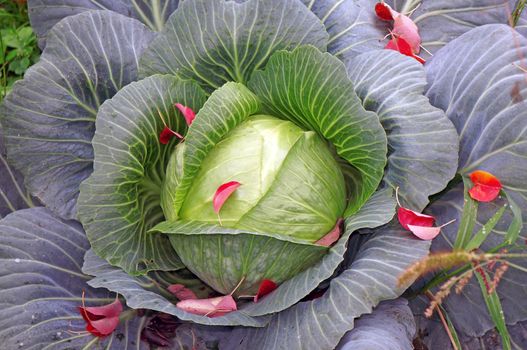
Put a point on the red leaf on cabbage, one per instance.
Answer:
(332, 236)
(102, 320)
(403, 47)
(223, 193)
(211, 307)
(181, 292)
(427, 233)
(166, 135)
(384, 11)
(187, 112)
(266, 287)
(486, 186)
(408, 217)
(405, 28)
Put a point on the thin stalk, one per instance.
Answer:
(518, 9)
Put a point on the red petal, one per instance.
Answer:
(223, 193)
(266, 287)
(402, 46)
(102, 320)
(187, 112)
(425, 233)
(409, 217)
(383, 11)
(166, 135)
(486, 186)
(181, 292)
(212, 307)
(332, 236)
(110, 310)
(404, 28)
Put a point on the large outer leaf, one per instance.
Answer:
(312, 89)
(121, 199)
(49, 116)
(481, 90)
(215, 41)
(422, 141)
(390, 326)
(146, 292)
(320, 323)
(354, 28)
(13, 194)
(44, 14)
(41, 285)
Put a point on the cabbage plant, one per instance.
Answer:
(304, 126)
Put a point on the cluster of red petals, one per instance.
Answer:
(102, 320)
(486, 186)
(167, 134)
(266, 287)
(405, 34)
(332, 236)
(223, 193)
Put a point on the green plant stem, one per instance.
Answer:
(518, 9)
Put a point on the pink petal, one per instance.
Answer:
(212, 307)
(266, 287)
(223, 193)
(110, 310)
(103, 327)
(187, 112)
(402, 46)
(181, 292)
(425, 233)
(166, 135)
(405, 28)
(409, 217)
(332, 236)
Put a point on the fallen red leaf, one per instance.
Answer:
(181, 292)
(383, 11)
(166, 135)
(187, 112)
(408, 217)
(486, 186)
(266, 287)
(211, 307)
(405, 28)
(101, 320)
(332, 236)
(403, 47)
(223, 193)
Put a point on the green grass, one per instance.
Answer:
(18, 44)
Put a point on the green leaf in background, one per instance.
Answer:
(120, 201)
(49, 117)
(312, 89)
(215, 41)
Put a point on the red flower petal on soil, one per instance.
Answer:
(332, 236)
(181, 292)
(101, 320)
(166, 135)
(266, 287)
(486, 186)
(223, 193)
(384, 11)
(402, 46)
(408, 217)
(187, 112)
(211, 307)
